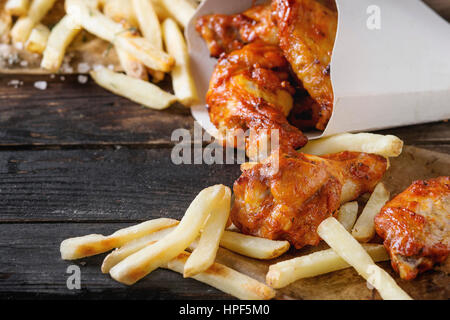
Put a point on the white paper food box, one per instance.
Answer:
(390, 64)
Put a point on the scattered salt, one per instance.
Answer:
(98, 67)
(15, 83)
(18, 45)
(83, 67)
(24, 63)
(41, 85)
(82, 79)
(111, 67)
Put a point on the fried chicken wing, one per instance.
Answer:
(288, 198)
(250, 89)
(226, 33)
(307, 30)
(415, 226)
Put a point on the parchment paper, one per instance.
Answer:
(413, 164)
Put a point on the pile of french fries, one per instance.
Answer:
(146, 35)
(190, 246)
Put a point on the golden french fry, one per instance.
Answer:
(205, 252)
(59, 39)
(37, 41)
(139, 91)
(141, 263)
(89, 245)
(284, 273)
(24, 25)
(131, 247)
(254, 247)
(150, 28)
(364, 228)
(226, 279)
(5, 26)
(17, 7)
(182, 80)
(148, 22)
(386, 146)
(145, 52)
(347, 214)
(105, 28)
(335, 235)
(120, 10)
(181, 10)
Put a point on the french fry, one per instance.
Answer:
(24, 25)
(347, 215)
(386, 146)
(205, 252)
(284, 273)
(60, 38)
(364, 228)
(150, 28)
(122, 12)
(139, 91)
(226, 279)
(182, 80)
(17, 7)
(160, 10)
(335, 235)
(5, 25)
(131, 247)
(181, 10)
(89, 245)
(254, 247)
(141, 263)
(105, 28)
(148, 22)
(37, 41)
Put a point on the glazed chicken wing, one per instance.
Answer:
(288, 198)
(307, 29)
(226, 33)
(250, 90)
(415, 226)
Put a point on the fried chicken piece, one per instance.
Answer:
(288, 198)
(415, 226)
(250, 89)
(307, 30)
(226, 33)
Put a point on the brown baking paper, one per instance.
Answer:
(390, 64)
(413, 164)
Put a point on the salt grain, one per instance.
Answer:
(15, 83)
(24, 63)
(41, 85)
(82, 79)
(111, 67)
(83, 67)
(62, 78)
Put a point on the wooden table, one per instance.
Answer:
(75, 159)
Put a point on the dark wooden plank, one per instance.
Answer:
(70, 113)
(34, 269)
(101, 185)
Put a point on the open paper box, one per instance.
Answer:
(390, 64)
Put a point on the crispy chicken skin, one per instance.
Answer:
(250, 90)
(226, 33)
(307, 30)
(290, 202)
(415, 226)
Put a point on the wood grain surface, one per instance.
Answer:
(75, 159)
